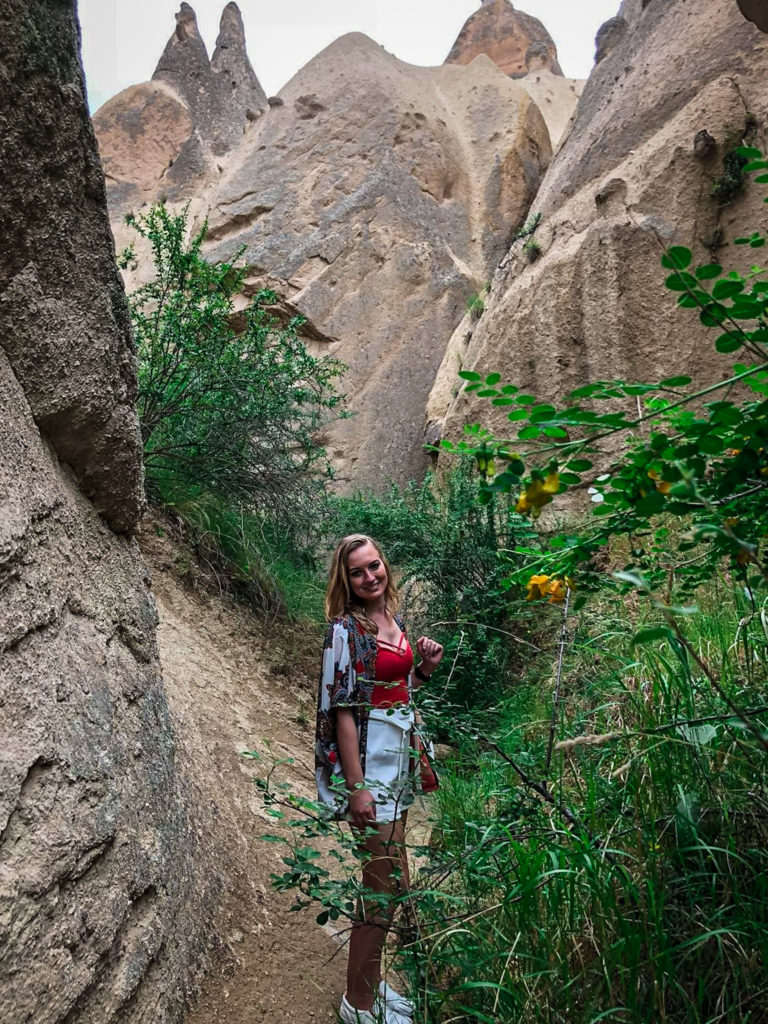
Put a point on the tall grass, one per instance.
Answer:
(639, 890)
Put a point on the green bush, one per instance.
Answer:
(230, 418)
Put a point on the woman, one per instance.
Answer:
(363, 752)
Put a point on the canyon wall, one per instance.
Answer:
(677, 86)
(104, 887)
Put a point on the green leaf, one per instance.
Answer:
(646, 636)
(487, 392)
(680, 282)
(755, 165)
(469, 375)
(579, 465)
(526, 399)
(493, 378)
(570, 478)
(708, 271)
(726, 289)
(749, 152)
(701, 735)
(635, 579)
(555, 432)
(518, 414)
(676, 258)
(528, 433)
(503, 401)
(674, 382)
(710, 444)
(728, 343)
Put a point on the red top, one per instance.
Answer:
(393, 663)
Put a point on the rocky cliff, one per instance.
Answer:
(375, 196)
(102, 911)
(677, 86)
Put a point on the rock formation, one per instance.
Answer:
(506, 36)
(675, 90)
(376, 197)
(102, 915)
(175, 130)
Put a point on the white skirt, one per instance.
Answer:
(387, 761)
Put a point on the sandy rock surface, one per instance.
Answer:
(377, 218)
(629, 177)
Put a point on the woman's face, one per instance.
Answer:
(366, 572)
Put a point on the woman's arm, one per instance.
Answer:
(431, 655)
(362, 807)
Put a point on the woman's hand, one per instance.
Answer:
(431, 654)
(362, 808)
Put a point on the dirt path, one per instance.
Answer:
(228, 692)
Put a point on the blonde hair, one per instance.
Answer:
(339, 597)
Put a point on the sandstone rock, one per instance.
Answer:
(102, 915)
(506, 36)
(377, 219)
(65, 323)
(174, 131)
(628, 177)
(555, 96)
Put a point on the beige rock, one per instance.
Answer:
(506, 36)
(634, 173)
(105, 893)
(556, 97)
(377, 219)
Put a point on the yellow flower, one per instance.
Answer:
(537, 586)
(554, 587)
(557, 591)
(663, 486)
(538, 493)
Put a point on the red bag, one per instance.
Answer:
(429, 781)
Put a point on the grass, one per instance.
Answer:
(651, 902)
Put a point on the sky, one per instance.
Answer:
(123, 39)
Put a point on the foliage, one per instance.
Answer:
(230, 415)
(703, 459)
(475, 304)
(598, 844)
(231, 412)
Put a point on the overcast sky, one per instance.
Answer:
(123, 39)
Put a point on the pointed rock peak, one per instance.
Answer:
(185, 57)
(186, 23)
(506, 36)
(230, 61)
(231, 30)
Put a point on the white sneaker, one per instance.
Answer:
(394, 1001)
(379, 1014)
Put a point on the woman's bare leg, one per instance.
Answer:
(385, 871)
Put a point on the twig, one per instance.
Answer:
(556, 694)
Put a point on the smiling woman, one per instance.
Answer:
(363, 753)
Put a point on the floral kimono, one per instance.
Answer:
(347, 678)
